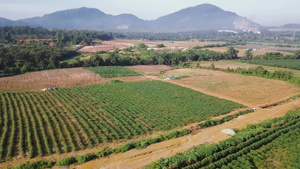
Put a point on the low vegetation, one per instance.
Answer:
(291, 64)
(70, 119)
(113, 71)
(253, 147)
(209, 123)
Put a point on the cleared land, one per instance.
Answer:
(124, 43)
(56, 78)
(242, 89)
(224, 64)
(70, 119)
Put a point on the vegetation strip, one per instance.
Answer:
(105, 152)
(209, 123)
(240, 150)
(291, 64)
(281, 102)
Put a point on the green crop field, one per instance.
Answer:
(291, 64)
(69, 119)
(271, 144)
(113, 71)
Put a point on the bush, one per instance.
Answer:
(66, 161)
(105, 152)
(85, 158)
(35, 165)
(125, 148)
(116, 81)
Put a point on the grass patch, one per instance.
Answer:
(113, 71)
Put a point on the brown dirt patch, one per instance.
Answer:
(56, 78)
(150, 69)
(247, 90)
(124, 43)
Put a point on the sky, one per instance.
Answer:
(264, 12)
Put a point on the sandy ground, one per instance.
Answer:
(247, 90)
(139, 158)
(224, 64)
(57, 78)
(124, 43)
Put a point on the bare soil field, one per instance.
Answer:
(150, 69)
(56, 78)
(238, 88)
(224, 64)
(140, 158)
(124, 43)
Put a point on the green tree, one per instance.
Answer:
(248, 54)
(231, 53)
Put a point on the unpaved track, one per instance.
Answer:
(140, 158)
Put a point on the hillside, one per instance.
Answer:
(201, 17)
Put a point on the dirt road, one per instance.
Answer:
(140, 158)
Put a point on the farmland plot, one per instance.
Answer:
(69, 119)
(242, 89)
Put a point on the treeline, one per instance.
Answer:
(276, 56)
(229, 43)
(188, 35)
(13, 35)
(150, 57)
(261, 72)
(21, 59)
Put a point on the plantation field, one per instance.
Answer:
(211, 135)
(69, 119)
(112, 71)
(271, 144)
(224, 64)
(242, 89)
(292, 64)
(56, 78)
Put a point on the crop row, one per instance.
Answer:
(69, 119)
(233, 149)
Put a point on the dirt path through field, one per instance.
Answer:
(140, 158)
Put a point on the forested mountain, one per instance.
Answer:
(201, 17)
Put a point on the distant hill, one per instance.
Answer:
(205, 16)
(201, 17)
(290, 26)
(7, 22)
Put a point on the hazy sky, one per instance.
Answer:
(264, 12)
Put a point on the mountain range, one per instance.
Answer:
(201, 17)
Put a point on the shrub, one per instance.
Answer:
(125, 148)
(85, 158)
(66, 161)
(105, 152)
(35, 165)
